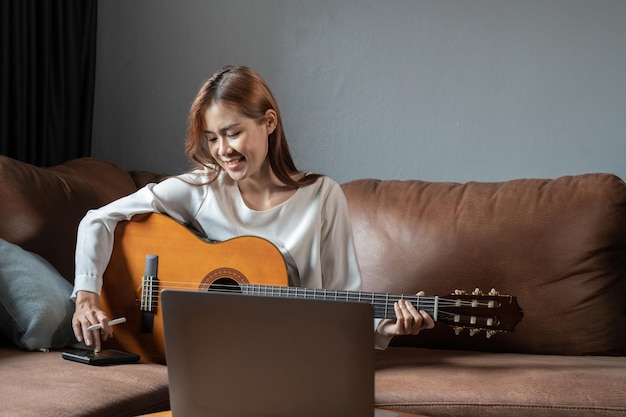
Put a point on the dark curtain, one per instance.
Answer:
(47, 64)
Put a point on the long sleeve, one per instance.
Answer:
(94, 243)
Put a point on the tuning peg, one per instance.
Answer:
(459, 292)
(477, 291)
(493, 292)
(473, 331)
(490, 333)
(457, 330)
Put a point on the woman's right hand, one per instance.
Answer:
(88, 313)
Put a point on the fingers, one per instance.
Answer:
(427, 320)
(88, 313)
(409, 320)
(80, 323)
(78, 330)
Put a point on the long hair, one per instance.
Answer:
(243, 89)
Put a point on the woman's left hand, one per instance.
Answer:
(409, 320)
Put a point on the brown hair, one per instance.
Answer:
(246, 91)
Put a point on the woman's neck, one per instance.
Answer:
(265, 192)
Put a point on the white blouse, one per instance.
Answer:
(312, 228)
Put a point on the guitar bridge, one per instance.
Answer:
(149, 294)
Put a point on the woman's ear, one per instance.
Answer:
(271, 121)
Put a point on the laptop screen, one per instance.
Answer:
(242, 355)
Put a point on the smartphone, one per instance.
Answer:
(104, 357)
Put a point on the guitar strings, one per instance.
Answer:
(382, 302)
(310, 293)
(376, 299)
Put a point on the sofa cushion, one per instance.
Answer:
(35, 309)
(46, 385)
(557, 245)
(463, 383)
(42, 207)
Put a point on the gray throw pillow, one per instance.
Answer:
(35, 309)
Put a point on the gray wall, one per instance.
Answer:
(442, 90)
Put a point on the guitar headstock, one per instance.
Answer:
(476, 311)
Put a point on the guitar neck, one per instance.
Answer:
(382, 303)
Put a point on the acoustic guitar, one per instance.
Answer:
(153, 252)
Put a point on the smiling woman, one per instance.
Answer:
(240, 147)
(246, 183)
(237, 142)
(243, 93)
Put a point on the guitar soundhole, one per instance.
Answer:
(223, 280)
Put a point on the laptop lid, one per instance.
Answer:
(233, 355)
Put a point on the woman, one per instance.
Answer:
(246, 183)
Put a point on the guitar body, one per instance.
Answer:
(184, 262)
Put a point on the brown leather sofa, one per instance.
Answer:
(558, 246)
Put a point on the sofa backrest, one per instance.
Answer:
(558, 245)
(40, 208)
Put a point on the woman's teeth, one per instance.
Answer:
(233, 161)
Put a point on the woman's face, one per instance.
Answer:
(237, 143)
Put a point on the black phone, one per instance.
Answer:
(104, 357)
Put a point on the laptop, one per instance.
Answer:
(234, 355)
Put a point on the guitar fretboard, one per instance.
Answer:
(383, 303)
